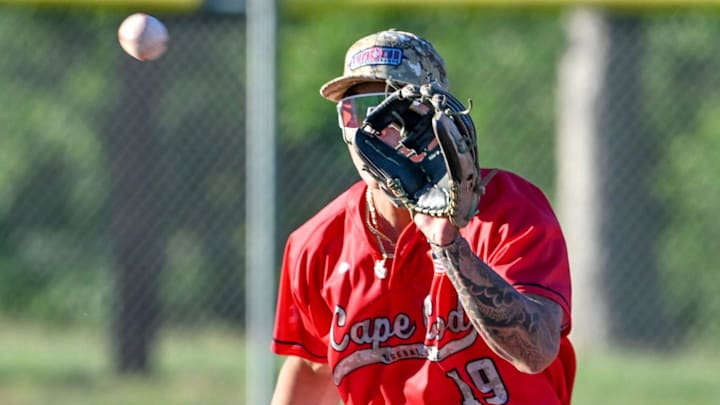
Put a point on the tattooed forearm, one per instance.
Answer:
(524, 330)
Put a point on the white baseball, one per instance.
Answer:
(143, 36)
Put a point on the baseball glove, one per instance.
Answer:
(433, 168)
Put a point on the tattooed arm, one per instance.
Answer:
(523, 329)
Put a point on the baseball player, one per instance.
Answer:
(382, 303)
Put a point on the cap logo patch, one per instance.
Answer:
(377, 55)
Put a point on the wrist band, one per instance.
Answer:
(436, 246)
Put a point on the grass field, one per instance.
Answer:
(54, 366)
(633, 378)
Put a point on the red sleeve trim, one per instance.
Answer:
(286, 348)
(557, 294)
(539, 289)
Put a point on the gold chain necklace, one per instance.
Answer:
(372, 223)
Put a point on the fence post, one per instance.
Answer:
(580, 89)
(260, 237)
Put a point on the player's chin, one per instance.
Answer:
(362, 169)
(368, 178)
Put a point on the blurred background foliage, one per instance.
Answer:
(75, 112)
(61, 99)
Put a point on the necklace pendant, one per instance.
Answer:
(380, 269)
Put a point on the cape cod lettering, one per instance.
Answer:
(456, 321)
(370, 331)
(375, 331)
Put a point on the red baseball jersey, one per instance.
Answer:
(405, 338)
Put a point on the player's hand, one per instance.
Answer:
(438, 230)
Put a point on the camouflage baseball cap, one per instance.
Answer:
(401, 56)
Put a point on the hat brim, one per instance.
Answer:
(335, 89)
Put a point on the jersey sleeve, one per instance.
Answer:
(295, 331)
(520, 237)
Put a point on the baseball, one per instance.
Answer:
(143, 36)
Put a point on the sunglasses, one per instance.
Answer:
(353, 110)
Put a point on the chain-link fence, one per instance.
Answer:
(122, 183)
